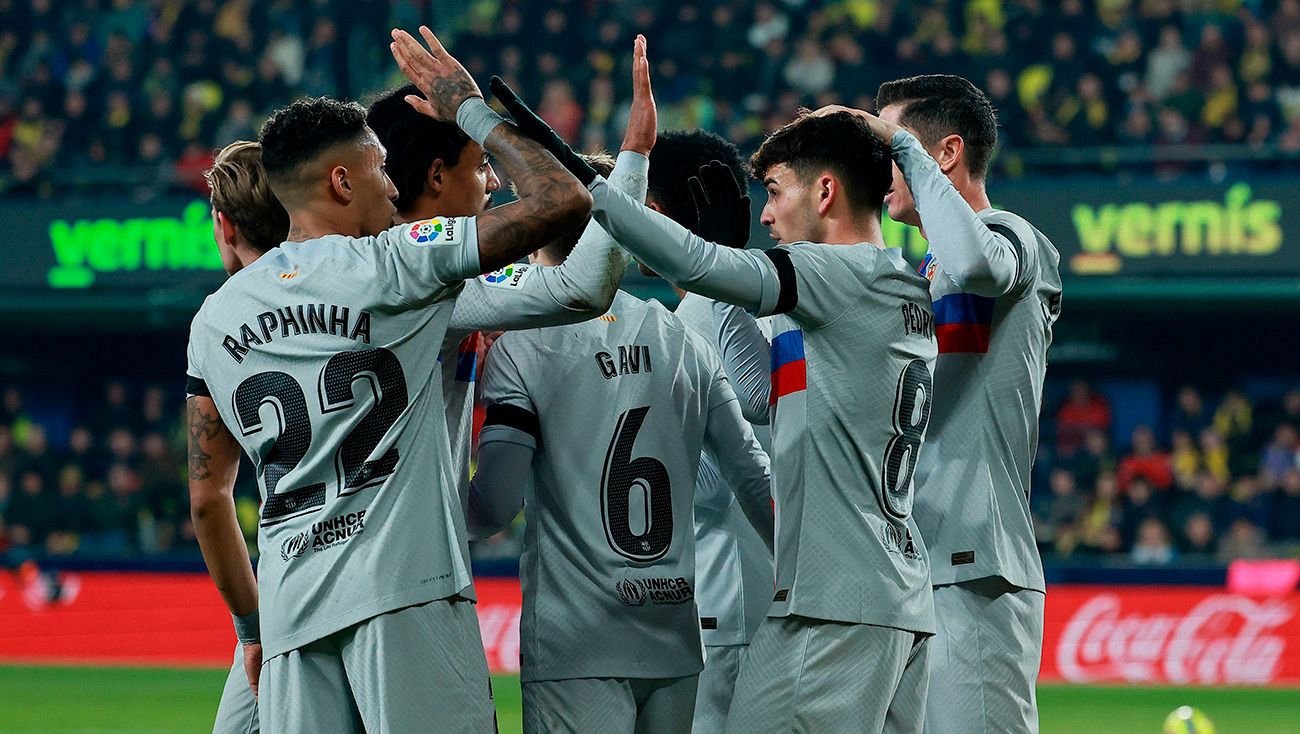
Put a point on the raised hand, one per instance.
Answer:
(721, 205)
(643, 122)
(536, 128)
(439, 76)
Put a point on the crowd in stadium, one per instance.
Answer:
(1221, 480)
(157, 85)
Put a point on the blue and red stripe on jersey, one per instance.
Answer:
(789, 368)
(963, 322)
(467, 358)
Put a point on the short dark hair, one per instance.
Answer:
(676, 157)
(603, 162)
(414, 141)
(240, 191)
(936, 105)
(840, 143)
(300, 132)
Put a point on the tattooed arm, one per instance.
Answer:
(552, 203)
(214, 462)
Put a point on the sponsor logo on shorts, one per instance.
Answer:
(660, 591)
(324, 535)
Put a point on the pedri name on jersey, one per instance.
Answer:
(304, 318)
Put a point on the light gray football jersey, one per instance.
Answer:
(973, 477)
(733, 567)
(526, 296)
(320, 358)
(852, 392)
(623, 405)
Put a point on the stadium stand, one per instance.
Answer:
(96, 94)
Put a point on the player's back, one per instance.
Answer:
(622, 402)
(851, 395)
(320, 358)
(973, 505)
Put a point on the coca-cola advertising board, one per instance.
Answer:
(1170, 635)
(1093, 634)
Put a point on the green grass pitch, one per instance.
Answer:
(88, 700)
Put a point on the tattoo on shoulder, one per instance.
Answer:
(203, 426)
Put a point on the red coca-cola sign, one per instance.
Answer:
(1170, 635)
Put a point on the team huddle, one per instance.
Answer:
(798, 503)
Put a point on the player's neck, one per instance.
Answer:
(307, 224)
(971, 190)
(851, 231)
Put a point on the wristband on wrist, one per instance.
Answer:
(477, 119)
(248, 628)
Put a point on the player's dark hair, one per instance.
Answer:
(675, 158)
(938, 105)
(301, 132)
(240, 192)
(556, 251)
(840, 143)
(414, 141)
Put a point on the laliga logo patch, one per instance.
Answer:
(436, 231)
(511, 276)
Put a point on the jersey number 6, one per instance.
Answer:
(644, 475)
(354, 470)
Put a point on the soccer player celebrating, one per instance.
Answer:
(247, 222)
(441, 172)
(844, 645)
(733, 567)
(365, 581)
(996, 289)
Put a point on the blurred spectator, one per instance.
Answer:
(1285, 523)
(1198, 536)
(1184, 459)
(1152, 547)
(1058, 513)
(1083, 411)
(1094, 460)
(1189, 414)
(1140, 503)
(1145, 461)
(1244, 539)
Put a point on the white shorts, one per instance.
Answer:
(237, 712)
(810, 675)
(609, 705)
(717, 686)
(421, 668)
(984, 665)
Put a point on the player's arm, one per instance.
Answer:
(505, 461)
(580, 288)
(746, 359)
(551, 201)
(213, 464)
(510, 436)
(984, 259)
(740, 459)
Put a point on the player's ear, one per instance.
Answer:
(224, 229)
(341, 184)
(655, 205)
(827, 191)
(948, 152)
(434, 178)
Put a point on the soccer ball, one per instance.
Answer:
(1187, 720)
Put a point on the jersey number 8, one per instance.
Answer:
(911, 417)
